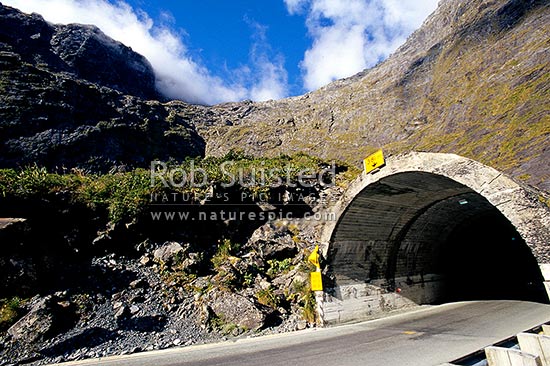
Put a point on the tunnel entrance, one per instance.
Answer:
(422, 238)
(485, 258)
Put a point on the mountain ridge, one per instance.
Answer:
(473, 80)
(430, 87)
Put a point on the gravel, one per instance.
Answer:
(135, 311)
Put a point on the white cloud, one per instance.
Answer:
(272, 82)
(178, 75)
(295, 6)
(351, 35)
(333, 55)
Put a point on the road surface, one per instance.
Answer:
(426, 337)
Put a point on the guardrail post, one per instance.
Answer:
(537, 345)
(497, 356)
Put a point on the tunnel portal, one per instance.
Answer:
(418, 237)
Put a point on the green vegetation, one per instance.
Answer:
(126, 195)
(277, 267)
(10, 311)
(308, 305)
(300, 291)
(267, 297)
(179, 278)
(225, 250)
(305, 298)
(227, 328)
(231, 274)
(545, 200)
(122, 194)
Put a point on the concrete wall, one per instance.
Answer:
(364, 301)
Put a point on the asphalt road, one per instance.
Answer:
(426, 337)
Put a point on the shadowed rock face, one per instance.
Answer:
(57, 121)
(64, 102)
(45, 319)
(81, 50)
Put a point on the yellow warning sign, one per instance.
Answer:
(314, 257)
(316, 281)
(374, 161)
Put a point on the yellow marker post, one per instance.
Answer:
(314, 257)
(315, 277)
(374, 161)
(316, 281)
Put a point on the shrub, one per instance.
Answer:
(126, 195)
(225, 250)
(267, 297)
(10, 311)
(277, 267)
(308, 307)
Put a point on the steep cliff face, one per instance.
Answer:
(64, 100)
(80, 50)
(473, 80)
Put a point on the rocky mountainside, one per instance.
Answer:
(76, 283)
(473, 80)
(80, 50)
(72, 97)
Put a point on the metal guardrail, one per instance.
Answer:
(478, 358)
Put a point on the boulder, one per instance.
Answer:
(139, 283)
(272, 242)
(290, 279)
(167, 253)
(122, 313)
(145, 260)
(227, 276)
(235, 309)
(47, 318)
(192, 261)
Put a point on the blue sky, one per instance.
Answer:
(222, 39)
(213, 51)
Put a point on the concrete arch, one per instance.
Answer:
(387, 223)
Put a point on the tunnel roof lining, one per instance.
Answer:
(380, 210)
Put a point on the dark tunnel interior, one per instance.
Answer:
(486, 259)
(434, 239)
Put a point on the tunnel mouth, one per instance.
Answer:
(430, 240)
(485, 258)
